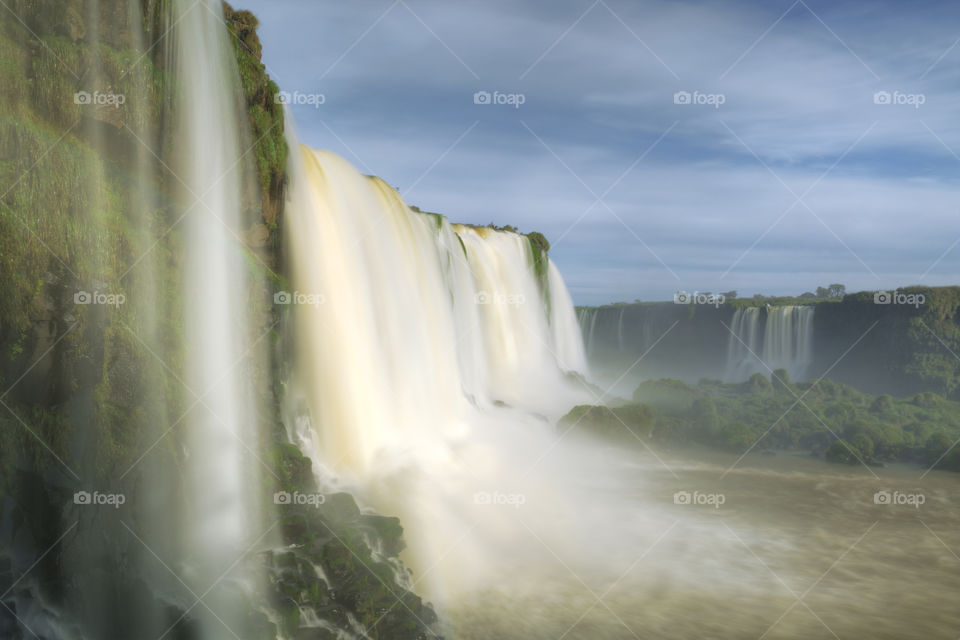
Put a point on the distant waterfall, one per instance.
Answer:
(780, 338)
(571, 353)
(587, 318)
(744, 345)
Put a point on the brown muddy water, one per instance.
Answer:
(685, 546)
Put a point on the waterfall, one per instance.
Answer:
(220, 423)
(425, 357)
(587, 318)
(571, 353)
(788, 340)
(784, 341)
(743, 347)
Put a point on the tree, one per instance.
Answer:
(832, 291)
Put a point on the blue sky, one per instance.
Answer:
(803, 176)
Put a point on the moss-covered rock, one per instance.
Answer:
(264, 110)
(329, 566)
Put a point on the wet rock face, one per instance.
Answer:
(110, 22)
(265, 197)
(328, 570)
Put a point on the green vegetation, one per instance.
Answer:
(330, 532)
(540, 247)
(265, 115)
(82, 203)
(831, 293)
(825, 418)
(910, 340)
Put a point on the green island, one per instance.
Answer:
(766, 414)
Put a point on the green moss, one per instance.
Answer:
(540, 247)
(264, 111)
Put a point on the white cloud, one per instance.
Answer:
(799, 99)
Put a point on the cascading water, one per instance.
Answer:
(587, 318)
(431, 363)
(571, 353)
(788, 339)
(781, 338)
(223, 506)
(743, 346)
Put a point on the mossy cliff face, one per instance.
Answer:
(897, 347)
(264, 114)
(82, 115)
(92, 348)
(83, 199)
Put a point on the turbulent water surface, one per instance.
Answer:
(798, 549)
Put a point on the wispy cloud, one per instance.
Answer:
(793, 102)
